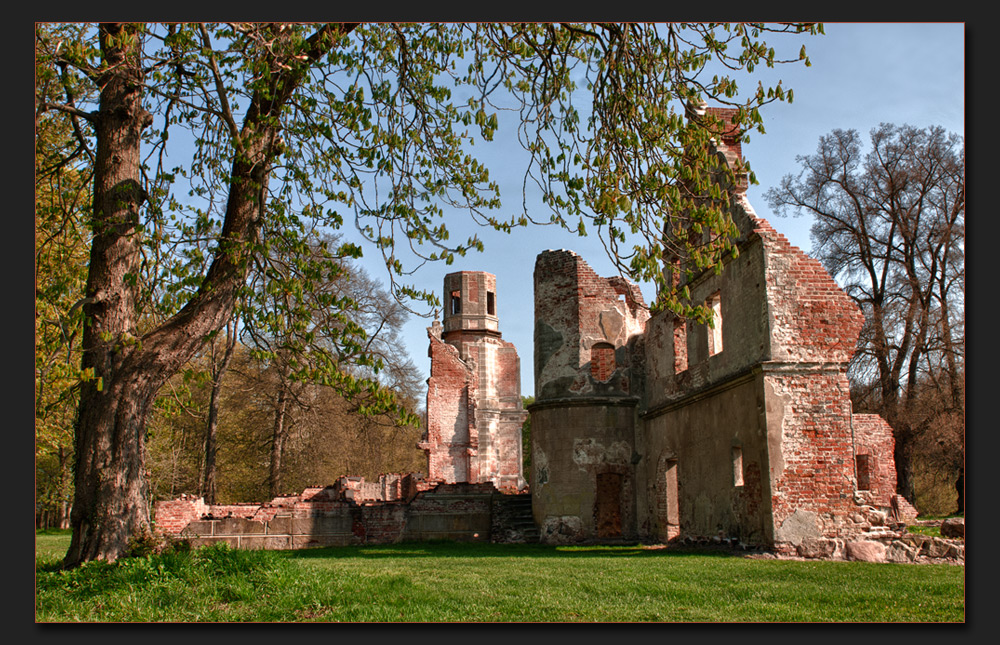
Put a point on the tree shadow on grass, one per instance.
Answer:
(445, 548)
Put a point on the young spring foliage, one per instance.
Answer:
(222, 152)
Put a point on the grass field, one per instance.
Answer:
(448, 582)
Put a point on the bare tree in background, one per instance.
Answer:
(889, 225)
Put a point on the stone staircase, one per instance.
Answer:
(512, 519)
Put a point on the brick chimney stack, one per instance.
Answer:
(730, 144)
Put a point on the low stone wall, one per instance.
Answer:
(460, 512)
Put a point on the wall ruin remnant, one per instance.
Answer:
(474, 408)
(351, 511)
(652, 427)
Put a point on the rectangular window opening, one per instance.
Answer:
(491, 306)
(863, 463)
(672, 501)
(456, 302)
(715, 331)
(680, 347)
(737, 466)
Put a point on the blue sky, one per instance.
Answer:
(862, 74)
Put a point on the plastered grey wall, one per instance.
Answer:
(700, 433)
(571, 446)
(744, 325)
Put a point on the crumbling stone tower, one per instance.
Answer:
(588, 382)
(474, 410)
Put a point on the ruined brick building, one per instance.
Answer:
(644, 427)
(650, 427)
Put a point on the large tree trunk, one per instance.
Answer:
(111, 502)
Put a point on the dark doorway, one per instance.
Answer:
(608, 504)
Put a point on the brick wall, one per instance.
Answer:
(319, 518)
(576, 310)
(873, 437)
(602, 361)
(812, 319)
(729, 141)
(451, 392)
(173, 515)
(812, 460)
(474, 409)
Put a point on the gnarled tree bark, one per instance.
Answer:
(111, 503)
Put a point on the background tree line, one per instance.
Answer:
(236, 424)
(324, 436)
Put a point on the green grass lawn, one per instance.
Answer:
(448, 582)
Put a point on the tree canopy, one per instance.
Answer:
(215, 146)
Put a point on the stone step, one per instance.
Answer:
(516, 511)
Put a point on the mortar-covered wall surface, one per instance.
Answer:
(746, 341)
(738, 429)
(583, 475)
(716, 444)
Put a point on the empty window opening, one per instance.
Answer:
(864, 465)
(491, 304)
(602, 361)
(671, 514)
(680, 347)
(671, 271)
(737, 466)
(456, 302)
(715, 331)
